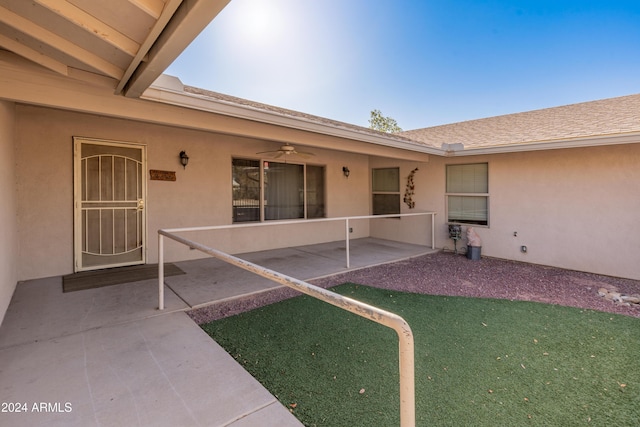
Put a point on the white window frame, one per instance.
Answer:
(482, 192)
(377, 191)
(262, 202)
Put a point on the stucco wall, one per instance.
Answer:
(200, 196)
(414, 229)
(8, 226)
(574, 208)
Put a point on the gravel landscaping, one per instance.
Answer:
(445, 273)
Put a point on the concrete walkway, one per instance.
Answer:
(108, 357)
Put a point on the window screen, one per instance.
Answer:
(468, 193)
(385, 184)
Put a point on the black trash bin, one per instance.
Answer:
(473, 252)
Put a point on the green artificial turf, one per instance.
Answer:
(479, 362)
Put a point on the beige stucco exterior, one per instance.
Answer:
(573, 208)
(200, 196)
(8, 225)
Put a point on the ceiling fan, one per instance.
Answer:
(286, 150)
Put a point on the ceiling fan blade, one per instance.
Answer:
(286, 150)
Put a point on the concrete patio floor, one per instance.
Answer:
(109, 357)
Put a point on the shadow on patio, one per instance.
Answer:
(108, 356)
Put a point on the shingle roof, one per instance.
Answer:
(613, 117)
(607, 117)
(290, 113)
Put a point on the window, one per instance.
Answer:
(386, 191)
(315, 191)
(288, 190)
(468, 194)
(246, 190)
(283, 190)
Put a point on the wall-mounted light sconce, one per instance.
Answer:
(346, 171)
(184, 159)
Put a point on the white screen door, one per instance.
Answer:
(110, 192)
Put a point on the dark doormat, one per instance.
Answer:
(115, 276)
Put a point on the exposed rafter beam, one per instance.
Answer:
(163, 19)
(92, 25)
(188, 21)
(51, 39)
(32, 55)
(151, 7)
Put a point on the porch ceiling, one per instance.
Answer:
(126, 44)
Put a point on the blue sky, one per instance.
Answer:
(423, 63)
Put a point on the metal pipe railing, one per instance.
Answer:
(346, 219)
(383, 317)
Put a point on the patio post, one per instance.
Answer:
(433, 230)
(160, 272)
(346, 240)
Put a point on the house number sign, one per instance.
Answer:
(157, 175)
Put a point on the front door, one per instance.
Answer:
(109, 193)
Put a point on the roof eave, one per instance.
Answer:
(174, 95)
(578, 142)
(169, 90)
